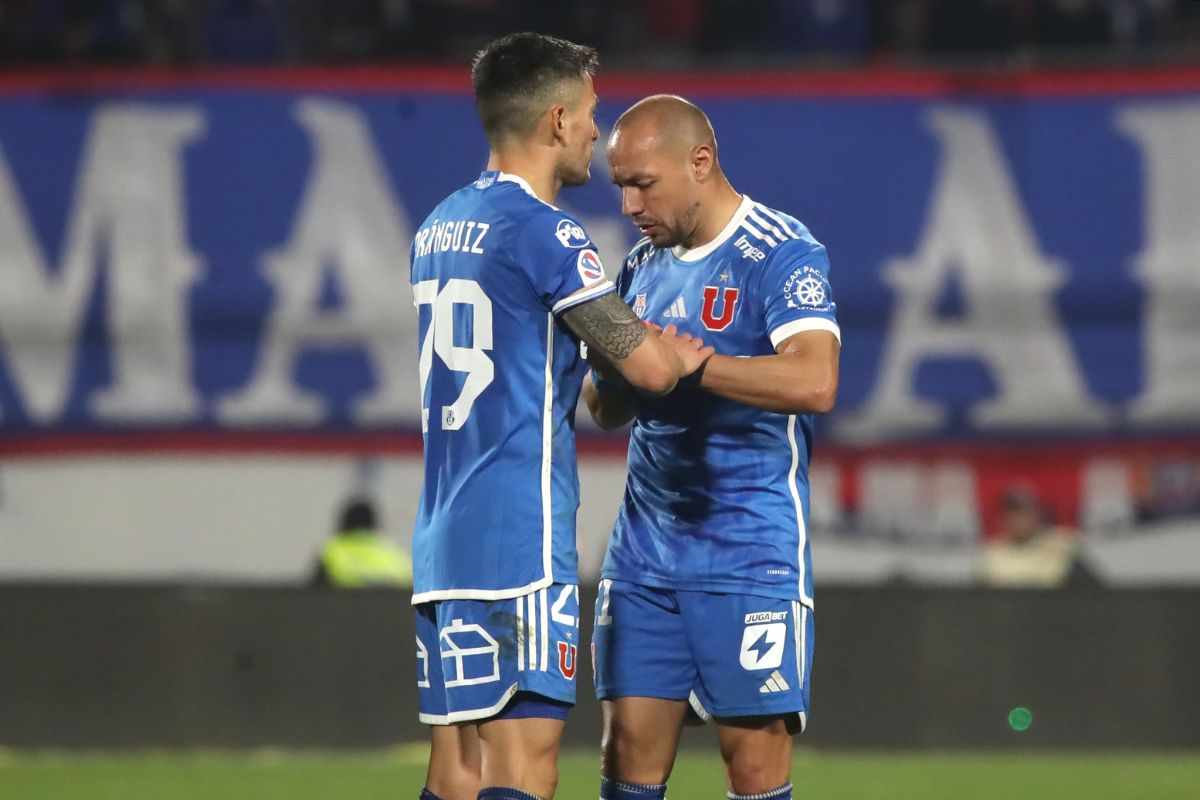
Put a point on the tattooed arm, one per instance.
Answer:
(624, 352)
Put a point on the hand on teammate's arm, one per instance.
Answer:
(801, 378)
(650, 362)
(610, 399)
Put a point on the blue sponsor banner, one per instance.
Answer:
(236, 258)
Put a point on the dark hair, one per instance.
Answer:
(517, 76)
(358, 514)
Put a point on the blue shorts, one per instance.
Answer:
(473, 656)
(730, 655)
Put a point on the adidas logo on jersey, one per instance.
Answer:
(775, 683)
(676, 310)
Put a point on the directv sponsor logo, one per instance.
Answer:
(765, 616)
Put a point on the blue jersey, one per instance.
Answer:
(492, 266)
(717, 494)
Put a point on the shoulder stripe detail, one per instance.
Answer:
(805, 324)
(787, 226)
(759, 234)
(770, 227)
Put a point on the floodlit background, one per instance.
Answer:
(207, 347)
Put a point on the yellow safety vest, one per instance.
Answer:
(359, 559)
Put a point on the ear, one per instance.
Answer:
(558, 122)
(702, 161)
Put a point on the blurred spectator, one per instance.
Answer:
(172, 30)
(681, 31)
(349, 30)
(358, 557)
(826, 27)
(1072, 24)
(732, 26)
(1186, 22)
(76, 31)
(1136, 23)
(245, 32)
(897, 29)
(1168, 489)
(962, 27)
(1027, 551)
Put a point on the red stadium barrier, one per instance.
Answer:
(792, 83)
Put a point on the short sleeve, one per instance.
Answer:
(560, 260)
(795, 291)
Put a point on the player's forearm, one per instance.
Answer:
(787, 383)
(610, 407)
(652, 368)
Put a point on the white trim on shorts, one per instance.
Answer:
(470, 713)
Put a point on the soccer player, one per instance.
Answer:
(706, 590)
(507, 286)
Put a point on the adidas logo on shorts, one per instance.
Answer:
(775, 683)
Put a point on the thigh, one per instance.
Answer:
(639, 645)
(753, 655)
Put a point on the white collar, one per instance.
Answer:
(697, 253)
(519, 181)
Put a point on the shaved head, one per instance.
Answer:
(665, 122)
(662, 155)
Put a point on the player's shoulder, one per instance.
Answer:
(540, 224)
(639, 254)
(777, 239)
(775, 234)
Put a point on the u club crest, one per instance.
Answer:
(719, 306)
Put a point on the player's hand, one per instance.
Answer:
(690, 350)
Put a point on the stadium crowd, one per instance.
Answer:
(653, 32)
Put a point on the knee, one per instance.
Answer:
(626, 755)
(756, 772)
(616, 738)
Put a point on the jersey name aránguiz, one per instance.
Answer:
(717, 493)
(492, 267)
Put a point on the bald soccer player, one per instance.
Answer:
(706, 591)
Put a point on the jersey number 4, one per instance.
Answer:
(439, 338)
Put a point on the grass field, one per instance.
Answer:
(398, 775)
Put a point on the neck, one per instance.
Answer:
(532, 166)
(715, 213)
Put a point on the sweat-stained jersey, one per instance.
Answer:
(492, 267)
(717, 494)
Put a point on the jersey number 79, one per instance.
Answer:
(439, 338)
